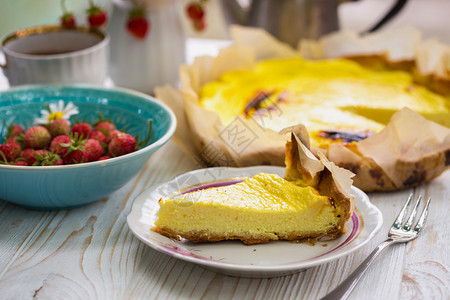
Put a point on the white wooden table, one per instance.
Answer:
(89, 253)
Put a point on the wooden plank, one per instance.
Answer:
(426, 273)
(18, 227)
(389, 263)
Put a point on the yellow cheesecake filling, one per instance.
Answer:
(261, 208)
(326, 96)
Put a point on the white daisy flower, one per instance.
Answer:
(56, 111)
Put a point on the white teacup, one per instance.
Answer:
(51, 54)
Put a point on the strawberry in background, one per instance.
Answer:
(96, 16)
(67, 19)
(137, 23)
(195, 11)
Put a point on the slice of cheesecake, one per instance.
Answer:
(264, 207)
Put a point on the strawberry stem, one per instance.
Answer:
(150, 127)
(3, 158)
(138, 9)
(100, 119)
(149, 133)
(9, 128)
(63, 6)
(76, 120)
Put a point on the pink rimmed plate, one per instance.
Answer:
(276, 258)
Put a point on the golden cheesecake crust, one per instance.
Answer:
(206, 236)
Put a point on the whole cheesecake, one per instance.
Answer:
(338, 100)
(262, 208)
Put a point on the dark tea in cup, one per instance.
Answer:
(51, 54)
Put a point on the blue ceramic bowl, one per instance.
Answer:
(60, 187)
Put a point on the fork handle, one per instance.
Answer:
(343, 290)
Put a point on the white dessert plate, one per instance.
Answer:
(276, 258)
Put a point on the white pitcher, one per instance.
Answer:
(143, 64)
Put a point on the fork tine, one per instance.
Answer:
(408, 223)
(401, 216)
(423, 217)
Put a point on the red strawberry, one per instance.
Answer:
(195, 11)
(9, 152)
(105, 127)
(60, 144)
(76, 157)
(15, 131)
(75, 151)
(137, 24)
(37, 137)
(29, 155)
(71, 149)
(112, 134)
(83, 130)
(94, 149)
(104, 157)
(99, 136)
(15, 150)
(12, 140)
(59, 127)
(96, 16)
(20, 163)
(15, 140)
(122, 144)
(68, 20)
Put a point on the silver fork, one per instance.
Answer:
(397, 234)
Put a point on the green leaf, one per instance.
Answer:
(149, 134)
